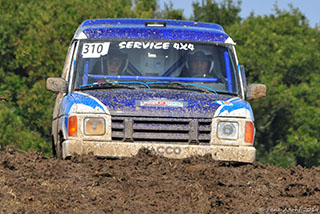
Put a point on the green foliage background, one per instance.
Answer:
(280, 50)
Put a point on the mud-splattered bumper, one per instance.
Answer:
(122, 149)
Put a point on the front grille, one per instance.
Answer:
(161, 130)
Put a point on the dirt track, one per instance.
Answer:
(31, 183)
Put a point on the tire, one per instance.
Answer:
(58, 148)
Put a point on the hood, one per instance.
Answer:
(160, 103)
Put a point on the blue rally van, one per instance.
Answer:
(173, 87)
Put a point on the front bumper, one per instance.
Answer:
(122, 149)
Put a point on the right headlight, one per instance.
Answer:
(228, 130)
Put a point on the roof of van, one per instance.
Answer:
(152, 29)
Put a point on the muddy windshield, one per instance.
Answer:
(152, 61)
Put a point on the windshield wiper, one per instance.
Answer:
(111, 84)
(184, 85)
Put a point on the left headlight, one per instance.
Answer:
(228, 130)
(94, 126)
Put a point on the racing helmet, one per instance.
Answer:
(200, 55)
(117, 54)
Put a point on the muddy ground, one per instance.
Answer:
(31, 183)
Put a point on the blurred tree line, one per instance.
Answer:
(280, 50)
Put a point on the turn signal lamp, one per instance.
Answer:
(72, 126)
(249, 132)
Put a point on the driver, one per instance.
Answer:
(199, 64)
(116, 62)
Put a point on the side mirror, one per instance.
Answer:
(57, 84)
(255, 91)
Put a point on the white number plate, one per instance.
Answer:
(95, 50)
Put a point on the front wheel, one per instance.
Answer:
(58, 148)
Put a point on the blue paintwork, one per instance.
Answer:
(136, 29)
(134, 22)
(235, 104)
(86, 100)
(124, 102)
(229, 77)
(66, 105)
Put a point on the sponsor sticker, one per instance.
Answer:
(166, 150)
(155, 45)
(144, 45)
(161, 103)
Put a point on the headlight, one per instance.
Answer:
(228, 130)
(94, 126)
